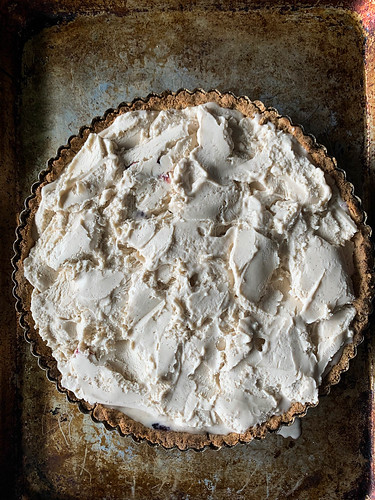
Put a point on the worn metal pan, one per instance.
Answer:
(63, 63)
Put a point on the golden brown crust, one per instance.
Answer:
(363, 280)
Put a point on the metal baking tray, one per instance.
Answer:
(64, 62)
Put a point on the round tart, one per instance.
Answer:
(193, 269)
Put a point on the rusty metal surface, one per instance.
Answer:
(308, 63)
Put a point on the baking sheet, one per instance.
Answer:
(308, 62)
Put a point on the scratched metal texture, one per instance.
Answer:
(61, 66)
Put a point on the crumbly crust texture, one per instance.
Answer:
(363, 279)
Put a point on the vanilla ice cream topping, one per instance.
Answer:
(192, 268)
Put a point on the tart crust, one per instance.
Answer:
(363, 278)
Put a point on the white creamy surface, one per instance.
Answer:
(293, 431)
(192, 268)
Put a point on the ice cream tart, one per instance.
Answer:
(193, 269)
